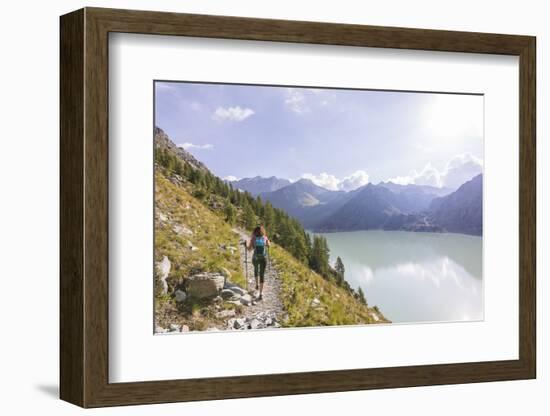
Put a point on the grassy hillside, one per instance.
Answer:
(197, 217)
(191, 236)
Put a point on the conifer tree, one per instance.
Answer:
(249, 217)
(230, 212)
(361, 296)
(340, 270)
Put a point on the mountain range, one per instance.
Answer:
(387, 205)
(258, 185)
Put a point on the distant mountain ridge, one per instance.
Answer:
(461, 211)
(259, 185)
(387, 206)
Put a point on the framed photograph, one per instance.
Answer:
(254, 207)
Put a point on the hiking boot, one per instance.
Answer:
(260, 297)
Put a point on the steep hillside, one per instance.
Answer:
(193, 239)
(199, 222)
(312, 301)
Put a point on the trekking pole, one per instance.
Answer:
(245, 263)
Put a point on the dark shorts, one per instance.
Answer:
(259, 267)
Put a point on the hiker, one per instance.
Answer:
(259, 243)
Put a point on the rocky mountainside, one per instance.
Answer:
(259, 185)
(461, 211)
(163, 142)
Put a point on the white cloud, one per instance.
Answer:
(295, 100)
(355, 180)
(462, 168)
(332, 183)
(206, 146)
(324, 180)
(230, 178)
(459, 169)
(303, 100)
(232, 113)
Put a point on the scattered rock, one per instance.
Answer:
(246, 299)
(184, 328)
(191, 247)
(315, 302)
(235, 288)
(163, 268)
(181, 296)
(160, 330)
(228, 294)
(180, 229)
(204, 285)
(174, 328)
(226, 313)
(375, 317)
(235, 302)
(162, 216)
(256, 324)
(239, 323)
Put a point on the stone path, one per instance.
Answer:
(264, 313)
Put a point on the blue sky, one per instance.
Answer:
(339, 138)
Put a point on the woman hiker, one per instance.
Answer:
(259, 243)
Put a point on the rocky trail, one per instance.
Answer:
(257, 314)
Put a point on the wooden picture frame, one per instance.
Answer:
(84, 207)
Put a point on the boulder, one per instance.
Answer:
(162, 216)
(235, 289)
(229, 294)
(315, 302)
(239, 323)
(184, 328)
(204, 285)
(180, 295)
(160, 330)
(246, 300)
(174, 328)
(163, 268)
(256, 324)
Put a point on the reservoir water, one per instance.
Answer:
(414, 276)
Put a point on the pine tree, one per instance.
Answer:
(230, 212)
(361, 296)
(320, 256)
(340, 270)
(249, 217)
(268, 216)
